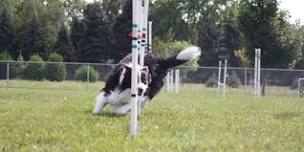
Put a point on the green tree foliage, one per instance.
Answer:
(73, 8)
(55, 71)
(97, 33)
(16, 68)
(40, 26)
(3, 66)
(8, 27)
(209, 24)
(121, 32)
(78, 37)
(64, 45)
(265, 27)
(5, 56)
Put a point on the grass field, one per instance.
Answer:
(59, 120)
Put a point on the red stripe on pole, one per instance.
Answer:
(132, 34)
(143, 35)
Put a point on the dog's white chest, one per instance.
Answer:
(118, 97)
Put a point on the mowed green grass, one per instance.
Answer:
(194, 120)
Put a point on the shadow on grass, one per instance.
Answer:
(287, 115)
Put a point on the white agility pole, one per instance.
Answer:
(134, 78)
(171, 80)
(168, 81)
(177, 81)
(225, 79)
(257, 73)
(221, 87)
(144, 8)
(219, 78)
(150, 37)
(143, 24)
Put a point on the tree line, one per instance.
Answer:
(100, 31)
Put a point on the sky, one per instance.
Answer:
(295, 8)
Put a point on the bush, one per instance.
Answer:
(81, 73)
(55, 71)
(6, 57)
(16, 69)
(34, 71)
(212, 81)
(234, 81)
(294, 84)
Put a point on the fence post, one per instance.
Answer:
(88, 76)
(7, 74)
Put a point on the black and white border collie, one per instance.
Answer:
(117, 90)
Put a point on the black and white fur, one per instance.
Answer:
(117, 91)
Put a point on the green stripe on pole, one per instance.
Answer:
(134, 25)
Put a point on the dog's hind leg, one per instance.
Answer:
(100, 103)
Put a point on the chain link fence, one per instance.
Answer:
(87, 76)
(241, 80)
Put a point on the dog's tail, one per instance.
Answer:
(184, 56)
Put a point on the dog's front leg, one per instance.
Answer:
(145, 102)
(100, 102)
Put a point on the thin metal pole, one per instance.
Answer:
(134, 78)
(150, 36)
